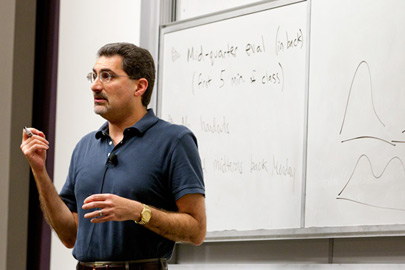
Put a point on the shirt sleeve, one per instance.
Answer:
(67, 193)
(185, 170)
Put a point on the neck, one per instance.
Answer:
(116, 128)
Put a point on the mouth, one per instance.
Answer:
(99, 99)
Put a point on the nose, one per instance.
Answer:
(97, 86)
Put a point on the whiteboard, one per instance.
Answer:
(239, 84)
(318, 148)
(356, 150)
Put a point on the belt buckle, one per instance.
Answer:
(106, 266)
(96, 264)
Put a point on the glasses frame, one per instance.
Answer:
(90, 76)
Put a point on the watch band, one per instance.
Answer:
(146, 215)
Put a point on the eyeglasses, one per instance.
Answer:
(104, 76)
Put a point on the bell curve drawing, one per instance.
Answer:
(356, 118)
(373, 178)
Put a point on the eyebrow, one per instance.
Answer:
(105, 69)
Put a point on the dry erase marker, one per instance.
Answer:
(28, 132)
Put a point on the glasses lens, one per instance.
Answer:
(105, 76)
(91, 77)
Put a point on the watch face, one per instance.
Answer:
(146, 214)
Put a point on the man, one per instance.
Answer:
(135, 186)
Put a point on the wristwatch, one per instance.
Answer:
(146, 214)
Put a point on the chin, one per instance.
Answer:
(99, 111)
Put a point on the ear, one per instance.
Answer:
(141, 87)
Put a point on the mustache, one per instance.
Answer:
(100, 95)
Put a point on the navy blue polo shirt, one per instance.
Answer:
(157, 163)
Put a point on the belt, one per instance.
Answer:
(152, 264)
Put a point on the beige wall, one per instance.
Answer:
(16, 77)
(6, 47)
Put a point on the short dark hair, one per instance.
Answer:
(136, 62)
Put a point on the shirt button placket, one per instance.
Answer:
(110, 148)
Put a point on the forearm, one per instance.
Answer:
(178, 227)
(186, 225)
(34, 147)
(56, 213)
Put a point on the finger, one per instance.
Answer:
(37, 140)
(96, 217)
(30, 146)
(34, 132)
(95, 204)
(28, 149)
(100, 219)
(95, 214)
(25, 136)
(91, 205)
(37, 132)
(96, 197)
(33, 140)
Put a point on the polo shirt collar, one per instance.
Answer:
(139, 127)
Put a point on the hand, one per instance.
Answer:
(112, 207)
(34, 149)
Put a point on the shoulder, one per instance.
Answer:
(173, 131)
(86, 142)
(88, 138)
